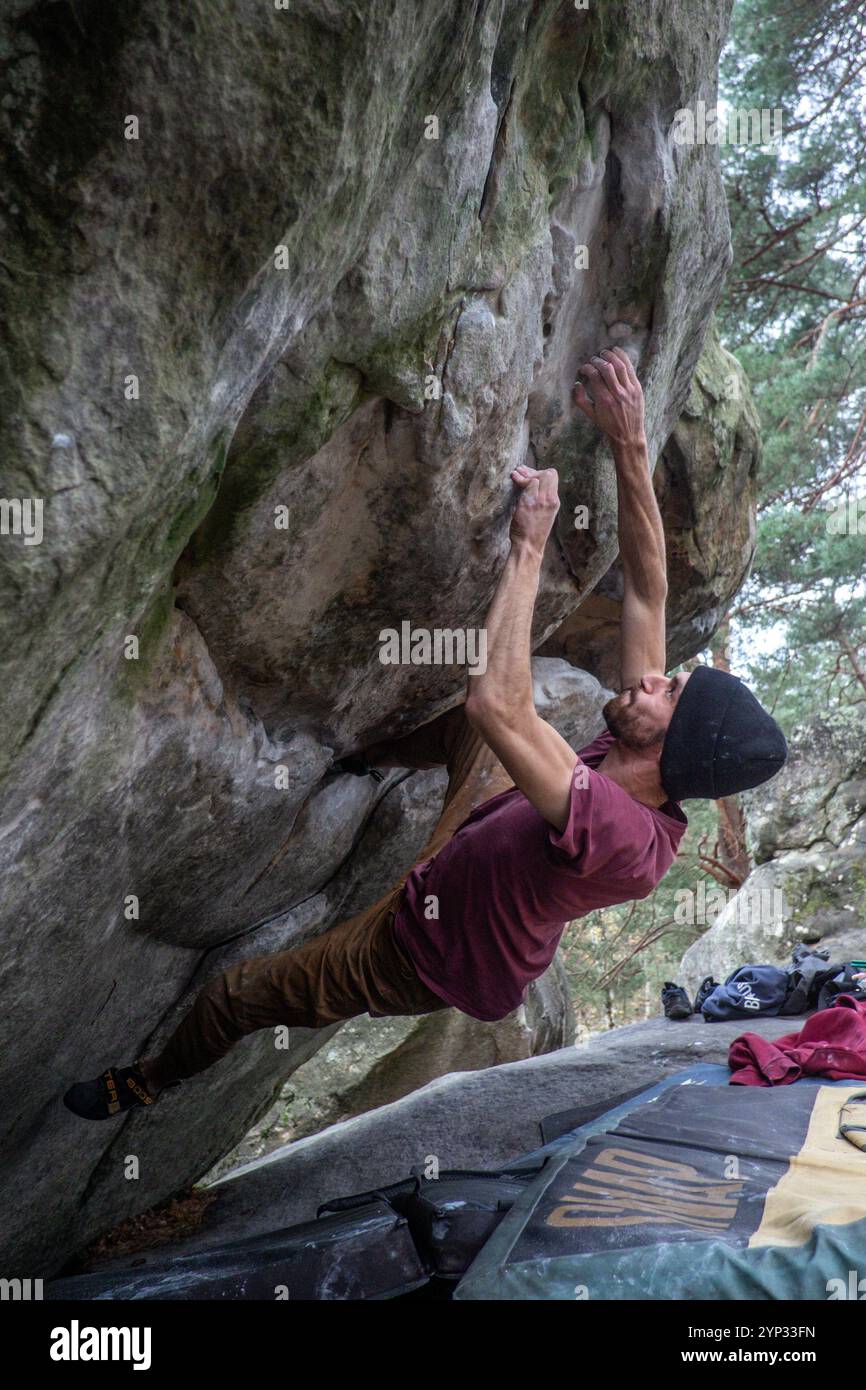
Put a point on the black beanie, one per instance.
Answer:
(720, 739)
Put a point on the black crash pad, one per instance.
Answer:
(450, 1216)
(367, 1253)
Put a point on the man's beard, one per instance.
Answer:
(630, 728)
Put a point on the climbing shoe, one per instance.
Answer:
(358, 768)
(119, 1088)
(677, 1004)
(703, 994)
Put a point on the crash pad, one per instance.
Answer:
(700, 1191)
(361, 1254)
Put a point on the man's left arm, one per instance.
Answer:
(617, 408)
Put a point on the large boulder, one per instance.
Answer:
(286, 295)
(807, 834)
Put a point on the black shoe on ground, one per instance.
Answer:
(706, 989)
(677, 1004)
(116, 1090)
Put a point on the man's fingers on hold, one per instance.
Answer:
(626, 361)
(616, 365)
(582, 401)
(607, 373)
(522, 475)
(550, 485)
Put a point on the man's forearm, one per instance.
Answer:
(499, 703)
(506, 683)
(641, 534)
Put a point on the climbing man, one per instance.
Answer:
(532, 834)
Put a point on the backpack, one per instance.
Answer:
(749, 991)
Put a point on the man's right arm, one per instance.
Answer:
(500, 702)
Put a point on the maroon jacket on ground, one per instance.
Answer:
(831, 1043)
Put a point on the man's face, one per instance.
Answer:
(639, 716)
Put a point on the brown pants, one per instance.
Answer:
(354, 968)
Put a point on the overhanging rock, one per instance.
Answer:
(284, 295)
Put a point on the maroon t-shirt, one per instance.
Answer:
(507, 883)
